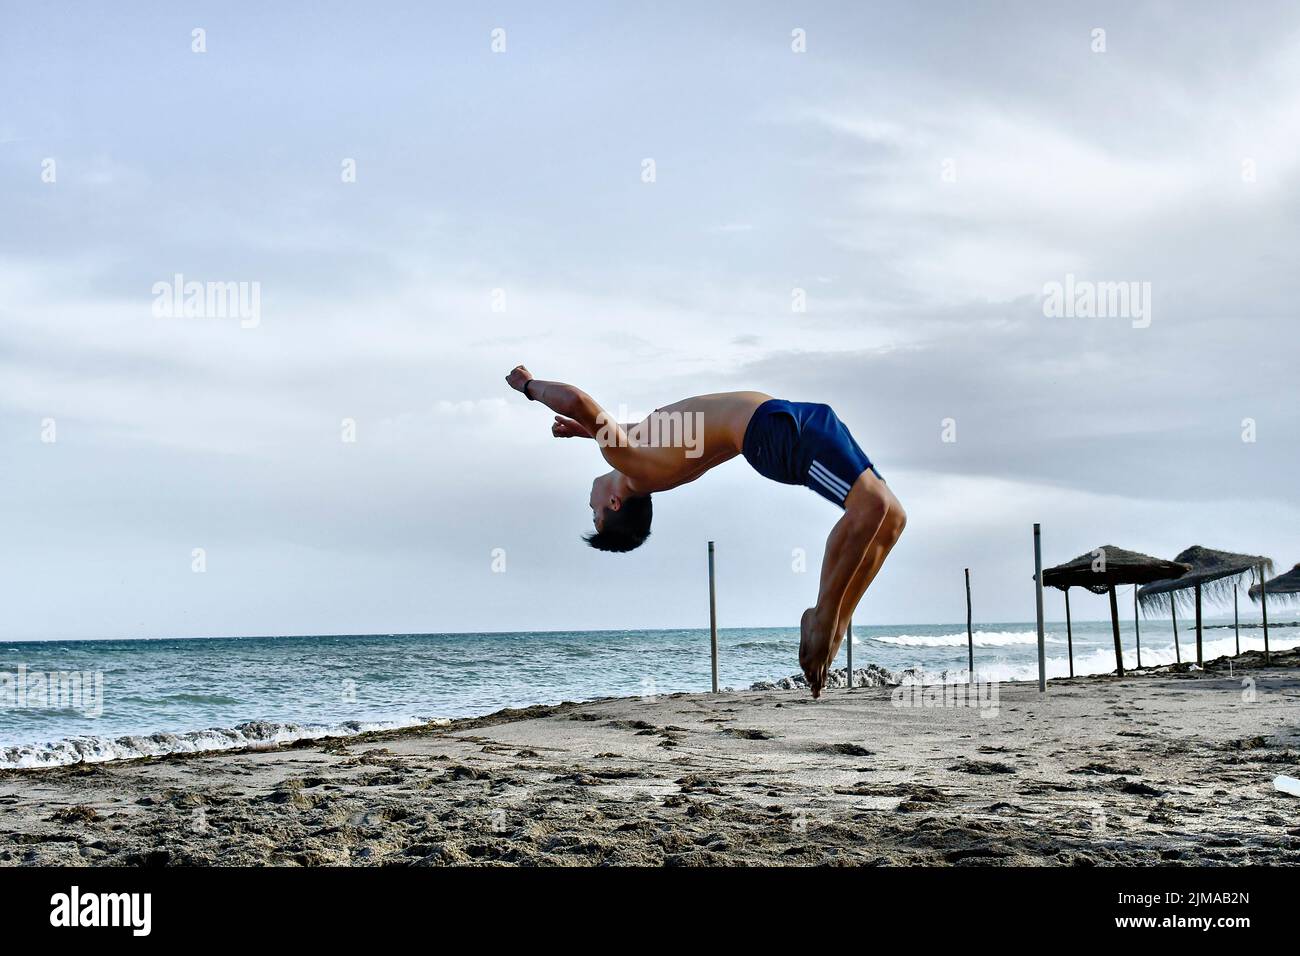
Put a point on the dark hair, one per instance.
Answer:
(624, 529)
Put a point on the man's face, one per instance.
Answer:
(602, 497)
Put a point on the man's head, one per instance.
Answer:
(622, 523)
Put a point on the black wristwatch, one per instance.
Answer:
(525, 390)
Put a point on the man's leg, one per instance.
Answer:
(865, 510)
(890, 531)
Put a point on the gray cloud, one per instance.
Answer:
(822, 171)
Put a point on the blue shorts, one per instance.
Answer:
(800, 443)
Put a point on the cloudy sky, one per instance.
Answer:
(921, 172)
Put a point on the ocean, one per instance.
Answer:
(152, 697)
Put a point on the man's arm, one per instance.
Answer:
(573, 403)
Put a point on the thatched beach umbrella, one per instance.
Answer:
(1283, 589)
(1100, 570)
(1214, 574)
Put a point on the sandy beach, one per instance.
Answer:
(1174, 766)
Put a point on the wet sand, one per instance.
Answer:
(1158, 768)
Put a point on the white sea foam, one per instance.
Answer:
(1101, 660)
(256, 733)
(981, 639)
(1094, 660)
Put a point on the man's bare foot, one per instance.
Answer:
(814, 642)
(809, 660)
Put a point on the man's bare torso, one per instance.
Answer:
(679, 442)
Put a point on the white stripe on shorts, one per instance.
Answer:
(837, 484)
(836, 494)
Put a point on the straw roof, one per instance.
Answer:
(1217, 572)
(1285, 588)
(1103, 567)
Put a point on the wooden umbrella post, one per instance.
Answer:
(1173, 610)
(1200, 661)
(1137, 628)
(1069, 632)
(970, 637)
(1038, 592)
(713, 621)
(1114, 626)
(1263, 607)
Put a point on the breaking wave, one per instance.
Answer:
(981, 639)
(254, 733)
(1101, 660)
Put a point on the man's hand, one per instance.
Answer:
(568, 428)
(518, 378)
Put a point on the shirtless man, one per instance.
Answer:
(795, 443)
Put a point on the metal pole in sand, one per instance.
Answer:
(848, 639)
(1200, 662)
(1114, 627)
(713, 620)
(1236, 621)
(1137, 628)
(970, 637)
(1038, 597)
(1263, 606)
(1069, 632)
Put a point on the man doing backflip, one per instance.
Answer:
(796, 443)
